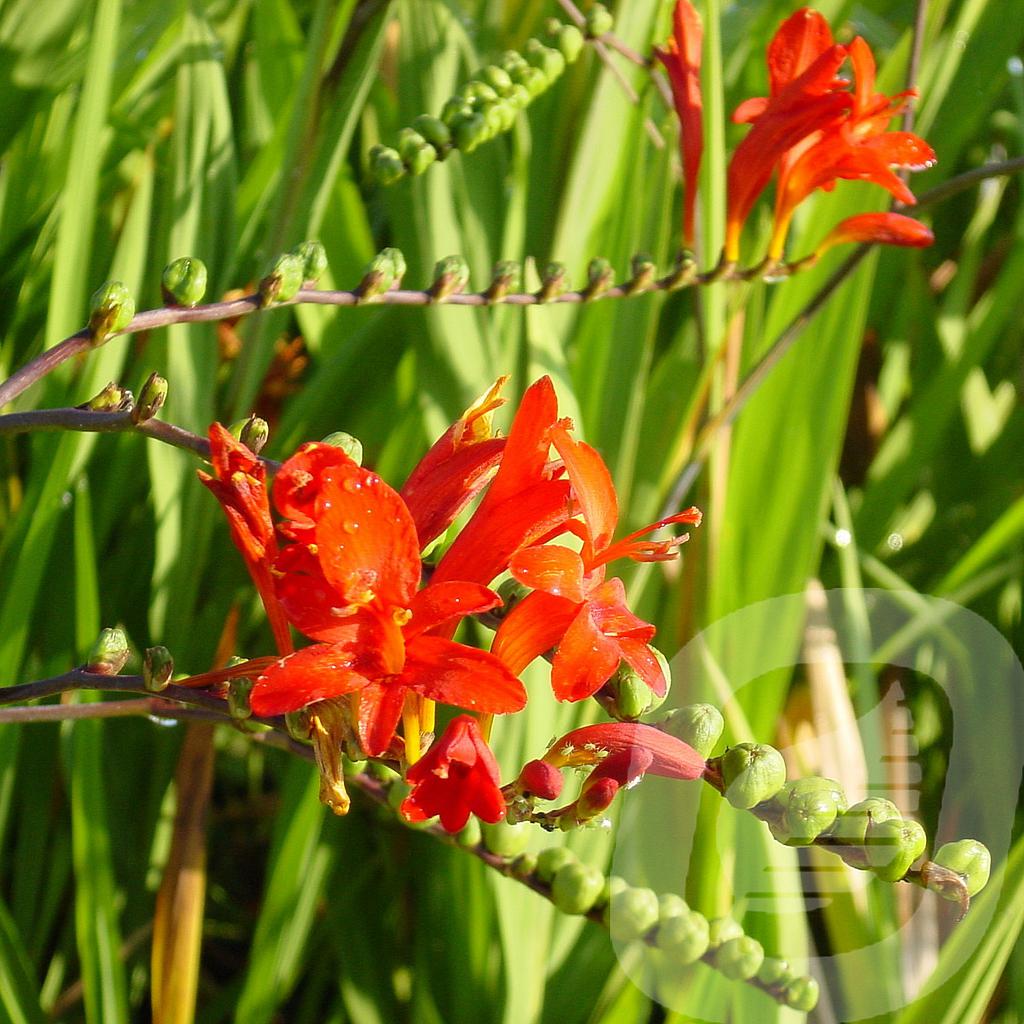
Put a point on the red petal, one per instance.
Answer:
(672, 758)
(534, 626)
(526, 451)
(379, 711)
(298, 482)
(312, 674)
(883, 228)
(592, 486)
(798, 42)
(462, 676)
(750, 110)
(585, 659)
(641, 659)
(902, 149)
(442, 602)
(366, 538)
(612, 615)
(551, 568)
(863, 61)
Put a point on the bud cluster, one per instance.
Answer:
(485, 106)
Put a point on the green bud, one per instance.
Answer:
(384, 272)
(157, 669)
(699, 725)
(421, 159)
(478, 94)
(498, 79)
(612, 885)
(533, 80)
(553, 282)
(801, 994)
(569, 42)
(851, 825)
(967, 858)
(239, 690)
(183, 282)
(397, 792)
(684, 937)
(632, 913)
(297, 724)
(548, 61)
(752, 772)
(283, 281)
(113, 398)
(455, 111)
(892, 846)
(739, 958)
(350, 445)
(451, 275)
(576, 887)
(810, 807)
(503, 115)
(519, 98)
(626, 697)
(721, 930)
(684, 271)
(504, 278)
(671, 904)
(470, 835)
(524, 865)
(352, 767)
(110, 310)
(643, 271)
(773, 971)
(151, 399)
(109, 652)
(409, 141)
(551, 859)
(254, 434)
(314, 260)
(506, 840)
(510, 61)
(600, 275)
(599, 21)
(386, 166)
(434, 130)
(470, 132)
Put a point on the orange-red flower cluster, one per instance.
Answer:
(813, 129)
(343, 566)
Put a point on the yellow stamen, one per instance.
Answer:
(328, 729)
(411, 727)
(486, 721)
(427, 708)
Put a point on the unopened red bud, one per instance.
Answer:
(542, 780)
(596, 798)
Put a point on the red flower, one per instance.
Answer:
(349, 579)
(885, 228)
(239, 484)
(681, 57)
(573, 606)
(457, 777)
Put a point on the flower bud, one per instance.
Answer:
(752, 772)
(478, 94)
(470, 835)
(671, 904)
(314, 261)
(110, 310)
(352, 767)
(502, 115)
(421, 159)
(498, 79)
(851, 827)
(553, 282)
(157, 669)
(470, 132)
(511, 61)
(612, 884)
(113, 398)
(298, 725)
(454, 112)
(684, 271)
(254, 434)
(632, 913)
(524, 865)
(519, 98)
(434, 130)
(739, 958)
(810, 807)
(540, 779)
(576, 887)
(721, 930)
(892, 846)
(532, 79)
(109, 652)
(600, 275)
(506, 840)
(967, 858)
(151, 399)
(551, 859)
(599, 21)
(183, 282)
(386, 166)
(504, 278)
(642, 277)
(283, 281)
(684, 937)
(350, 445)
(699, 725)
(409, 141)
(774, 972)
(451, 275)
(569, 41)
(801, 994)
(549, 62)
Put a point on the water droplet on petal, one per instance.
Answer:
(350, 526)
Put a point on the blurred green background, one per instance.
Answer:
(135, 132)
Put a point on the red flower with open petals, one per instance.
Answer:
(681, 57)
(592, 744)
(572, 605)
(457, 777)
(350, 579)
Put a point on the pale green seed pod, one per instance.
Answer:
(386, 166)
(632, 913)
(111, 309)
(739, 958)
(409, 141)
(151, 399)
(801, 994)
(774, 972)
(569, 42)
(553, 282)
(470, 835)
(434, 130)
(109, 652)
(551, 859)
(970, 860)
(612, 885)
(892, 846)
(599, 21)
(810, 807)
(421, 159)
(183, 282)
(525, 865)
(314, 260)
(498, 79)
(600, 275)
(255, 434)
(239, 690)
(684, 937)
(470, 132)
(576, 887)
(454, 112)
(283, 281)
(699, 725)
(722, 929)
(671, 904)
(852, 824)
(505, 277)
(548, 61)
(478, 94)
(506, 840)
(350, 445)
(157, 669)
(451, 275)
(533, 80)
(752, 772)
